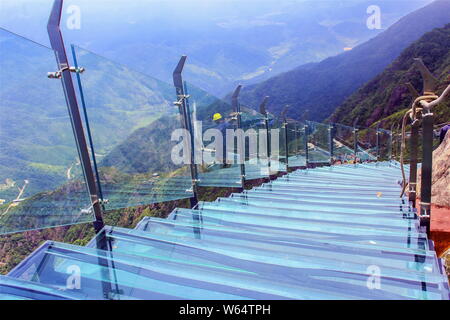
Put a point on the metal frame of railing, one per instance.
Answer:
(186, 123)
(236, 107)
(64, 73)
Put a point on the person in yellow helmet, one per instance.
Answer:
(222, 126)
(217, 117)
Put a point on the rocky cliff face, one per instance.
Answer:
(440, 192)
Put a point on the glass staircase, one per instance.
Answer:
(338, 232)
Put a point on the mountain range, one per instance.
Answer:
(383, 98)
(313, 91)
(227, 42)
(36, 137)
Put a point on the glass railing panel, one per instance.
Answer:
(41, 183)
(278, 157)
(385, 145)
(318, 142)
(396, 143)
(343, 143)
(135, 130)
(367, 144)
(296, 144)
(407, 149)
(216, 150)
(255, 148)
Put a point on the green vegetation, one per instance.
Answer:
(314, 91)
(14, 248)
(385, 99)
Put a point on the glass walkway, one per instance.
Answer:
(338, 232)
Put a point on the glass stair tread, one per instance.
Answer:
(291, 238)
(348, 251)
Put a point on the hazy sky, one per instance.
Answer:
(226, 40)
(29, 17)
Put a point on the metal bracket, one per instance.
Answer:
(182, 98)
(58, 74)
(103, 201)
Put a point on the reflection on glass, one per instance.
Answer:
(215, 148)
(296, 143)
(256, 149)
(41, 182)
(278, 158)
(132, 119)
(367, 144)
(343, 143)
(385, 145)
(318, 142)
(407, 150)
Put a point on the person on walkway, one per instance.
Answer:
(443, 132)
(222, 125)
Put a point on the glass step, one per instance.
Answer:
(137, 267)
(326, 193)
(407, 244)
(289, 180)
(282, 267)
(291, 186)
(225, 217)
(420, 261)
(317, 205)
(191, 218)
(390, 222)
(372, 200)
(338, 181)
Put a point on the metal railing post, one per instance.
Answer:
(414, 139)
(378, 143)
(263, 111)
(237, 109)
(331, 133)
(427, 165)
(182, 103)
(284, 126)
(355, 138)
(297, 140)
(355, 145)
(306, 131)
(429, 88)
(391, 144)
(57, 44)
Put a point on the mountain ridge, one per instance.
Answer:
(314, 91)
(385, 95)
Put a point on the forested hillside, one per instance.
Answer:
(386, 95)
(314, 91)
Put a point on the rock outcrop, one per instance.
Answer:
(440, 192)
